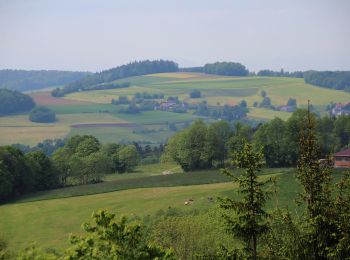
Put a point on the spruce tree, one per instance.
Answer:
(246, 219)
(315, 179)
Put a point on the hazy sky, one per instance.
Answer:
(98, 34)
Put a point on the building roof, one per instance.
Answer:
(345, 152)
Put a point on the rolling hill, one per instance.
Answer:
(91, 112)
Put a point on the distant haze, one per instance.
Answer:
(92, 35)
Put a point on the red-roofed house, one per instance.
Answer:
(341, 109)
(342, 159)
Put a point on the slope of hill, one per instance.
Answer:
(26, 80)
(23, 222)
(91, 112)
(105, 77)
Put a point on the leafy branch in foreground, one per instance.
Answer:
(111, 239)
(246, 219)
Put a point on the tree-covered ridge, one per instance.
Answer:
(14, 102)
(23, 80)
(281, 73)
(339, 80)
(226, 69)
(136, 68)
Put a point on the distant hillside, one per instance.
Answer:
(24, 80)
(136, 68)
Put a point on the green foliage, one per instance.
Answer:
(14, 102)
(279, 138)
(32, 251)
(218, 135)
(90, 168)
(270, 73)
(322, 232)
(108, 238)
(292, 102)
(226, 68)
(315, 179)
(82, 161)
(276, 146)
(15, 172)
(329, 79)
(4, 254)
(42, 115)
(45, 174)
(266, 102)
(132, 69)
(21, 174)
(191, 235)
(247, 219)
(60, 92)
(126, 159)
(187, 148)
(195, 93)
(284, 239)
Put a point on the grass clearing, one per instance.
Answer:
(267, 114)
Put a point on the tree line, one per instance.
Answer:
(23, 80)
(226, 69)
(339, 80)
(136, 68)
(219, 68)
(204, 146)
(60, 92)
(75, 161)
(281, 73)
(81, 160)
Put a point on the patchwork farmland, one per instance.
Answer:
(91, 112)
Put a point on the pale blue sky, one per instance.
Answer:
(98, 34)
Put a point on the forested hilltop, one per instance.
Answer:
(136, 68)
(24, 80)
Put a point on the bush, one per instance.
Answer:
(42, 115)
(195, 94)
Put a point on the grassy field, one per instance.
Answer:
(221, 89)
(18, 129)
(49, 217)
(49, 221)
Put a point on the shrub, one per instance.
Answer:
(42, 115)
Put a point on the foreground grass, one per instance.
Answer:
(50, 221)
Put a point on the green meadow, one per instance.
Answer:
(49, 217)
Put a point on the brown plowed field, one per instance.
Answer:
(45, 98)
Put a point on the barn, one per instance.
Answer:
(342, 159)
